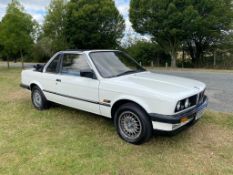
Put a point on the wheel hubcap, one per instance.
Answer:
(130, 125)
(37, 99)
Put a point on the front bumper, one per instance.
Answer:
(24, 86)
(173, 122)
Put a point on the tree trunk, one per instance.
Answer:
(8, 63)
(158, 60)
(196, 52)
(196, 59)
(22, 59)
(173, 58)
(182, 57)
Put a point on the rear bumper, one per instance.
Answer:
(174, 122)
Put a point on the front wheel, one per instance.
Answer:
(133, 124)
(38, 99)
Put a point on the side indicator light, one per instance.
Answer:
(106, 101)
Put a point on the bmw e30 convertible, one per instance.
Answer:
(112, 84)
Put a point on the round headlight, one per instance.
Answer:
(178, 106)
(186, 104)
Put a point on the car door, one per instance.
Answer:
(74, 90)
(50, 78)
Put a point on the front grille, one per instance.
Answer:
(200, 97)
(193, 100)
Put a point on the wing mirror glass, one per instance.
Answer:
(89, 73)
(38, 67)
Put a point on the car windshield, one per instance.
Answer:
(114, 63)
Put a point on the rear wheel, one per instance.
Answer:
(38, 99)
(133, 124)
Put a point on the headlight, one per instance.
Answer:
(186, 103)
(178, 106)
(181, 105)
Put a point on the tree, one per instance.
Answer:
(146, 52)
(53, 27)
(226, 44)
(162, 19)
(205, 23)
(42, 50)
(16, 31)
(1, 45)
(93, 24)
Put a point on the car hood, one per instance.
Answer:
(153, 83)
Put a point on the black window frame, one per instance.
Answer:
(58, 68)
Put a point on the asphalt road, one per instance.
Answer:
(219, 86)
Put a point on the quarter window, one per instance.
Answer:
(53, 67)
(73, 63)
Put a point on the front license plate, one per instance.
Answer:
(199, 114)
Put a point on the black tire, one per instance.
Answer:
(38, 99)
(136, 118)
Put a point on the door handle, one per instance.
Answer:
(58, 80)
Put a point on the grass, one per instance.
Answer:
(67, 141)
(208, 70)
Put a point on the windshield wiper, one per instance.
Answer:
(129, 72)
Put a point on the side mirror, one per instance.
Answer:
(89, 73)
(38, 67)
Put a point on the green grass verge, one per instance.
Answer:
(67, 141)
(208, 70)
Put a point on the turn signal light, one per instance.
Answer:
(184, 119)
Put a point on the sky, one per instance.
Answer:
(37, 8)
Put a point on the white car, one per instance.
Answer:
(112, 84)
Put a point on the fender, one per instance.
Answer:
(134, 99)
(36, 83)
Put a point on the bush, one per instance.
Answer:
(146, 52)
(42, 50)
(187, 63)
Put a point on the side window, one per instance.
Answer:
(73, 63)
(53, 67)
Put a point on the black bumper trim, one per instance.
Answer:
(175, 119)
(24, 86)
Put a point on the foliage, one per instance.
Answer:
(42, 50)
(162, 19)
(197, 24)
(54, 24)
(146, 52)
(16, 31)
(206, 22)
(93, 24)
(226, 44)
(199, 27)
